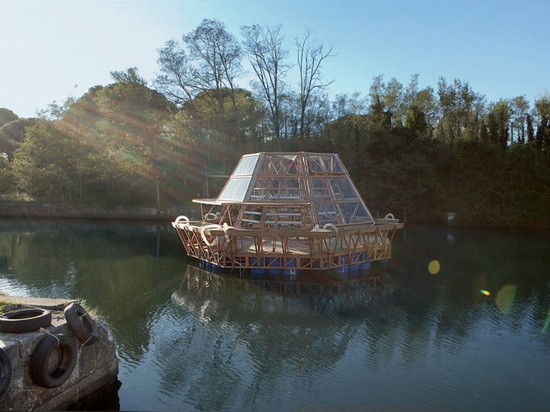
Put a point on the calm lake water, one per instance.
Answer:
(472, 336)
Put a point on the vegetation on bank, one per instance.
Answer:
(419, 151)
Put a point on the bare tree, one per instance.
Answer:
(209, 60)
(176, 80)
(310, 58)
(201, 74)
(267, 55)
(218, 59)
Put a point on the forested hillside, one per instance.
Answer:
(419, 151)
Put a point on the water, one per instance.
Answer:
(472, 336)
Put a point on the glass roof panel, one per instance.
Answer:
(283, 178)
(328, 213)
(278, 188)
(341, 188)
(325, 163)
(278, 164)
(246, 165)
(355, 213)
(235, 189)
(333, 188)
(343, 213)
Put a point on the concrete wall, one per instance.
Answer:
(96, 369)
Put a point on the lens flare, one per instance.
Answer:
(485, 292)
(505, 298)
(434, 267)
(547, 323)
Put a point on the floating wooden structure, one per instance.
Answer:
(285, 213)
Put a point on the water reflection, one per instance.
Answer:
(123, 271)
(247, 336)
(244, 346)
(261, 296)
(471, 336)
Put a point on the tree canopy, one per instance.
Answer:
(420, 151)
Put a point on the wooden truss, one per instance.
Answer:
(288, 211)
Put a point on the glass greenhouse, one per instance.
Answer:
(284, 213)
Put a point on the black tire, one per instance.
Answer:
(81, 324)
(53, 360)
(25, 320)
(5, 371)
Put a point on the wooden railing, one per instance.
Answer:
(301, 249)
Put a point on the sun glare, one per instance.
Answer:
(505, 298)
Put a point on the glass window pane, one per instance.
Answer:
(342, 188)
(326, 163)
(235, 189)
(355, 213)
(333, 188)
(246, 165)
(279, 164)
(328, 214)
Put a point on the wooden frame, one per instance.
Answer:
(298, 211)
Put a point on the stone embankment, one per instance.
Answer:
(68, 363)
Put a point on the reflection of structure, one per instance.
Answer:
(243, 343)
(280, 213)
(199, 286)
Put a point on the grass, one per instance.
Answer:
(7, 305)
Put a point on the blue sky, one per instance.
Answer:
(55, 49)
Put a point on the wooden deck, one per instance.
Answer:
(298, 249)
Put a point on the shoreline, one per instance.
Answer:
(57, 211)
(37, 211)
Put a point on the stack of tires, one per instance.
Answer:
(55, 356)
